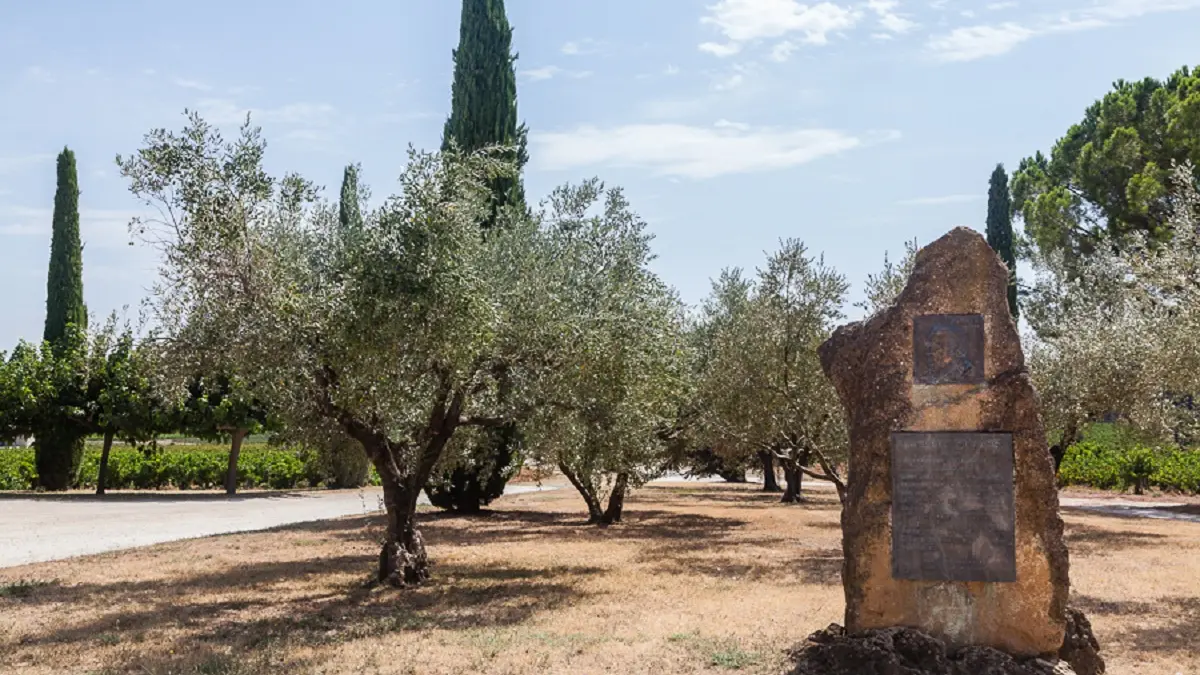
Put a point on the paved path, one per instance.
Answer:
(1134, 509)
(38, 529)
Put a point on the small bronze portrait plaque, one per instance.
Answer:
(953, 515)
(948, 349)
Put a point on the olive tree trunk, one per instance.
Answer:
(616, 500)
(770, 482)
(235, 450)
(102, 476)
(403, 561)
(595, 512)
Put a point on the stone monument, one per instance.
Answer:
(951, 523)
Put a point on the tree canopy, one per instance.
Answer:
(1109, 175)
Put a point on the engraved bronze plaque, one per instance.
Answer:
(948, 349)
(953, 514)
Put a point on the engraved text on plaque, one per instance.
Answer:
(952, 506)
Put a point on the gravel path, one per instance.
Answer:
(38, 529)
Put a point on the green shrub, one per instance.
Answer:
(17, 470)
(188, 467)
(1112, 467)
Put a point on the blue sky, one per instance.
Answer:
(853, 126)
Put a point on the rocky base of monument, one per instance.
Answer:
(906, 651)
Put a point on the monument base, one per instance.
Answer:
(908, 651)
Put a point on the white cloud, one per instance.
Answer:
(746, 21)
(18, 163)
(190, 84)
(726, 124)
(975, 42)
(938, 201)
(695, 152)
(105, 228)
(782, 51)
(882, 36)
(149, 71)
(550, 72)
(720, 50)
(888, 18)
(997, 6)
(582, 47)
(671, 70)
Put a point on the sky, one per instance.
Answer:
(731, 124)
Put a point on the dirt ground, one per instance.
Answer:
(701, 578)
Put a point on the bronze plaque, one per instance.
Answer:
(953, 515)
(948, 349)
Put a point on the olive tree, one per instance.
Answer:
(1115, 332)
(393, 329)
(763, 388)
(611, 402)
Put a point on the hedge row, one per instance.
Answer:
(1115, 468)
(185, 467)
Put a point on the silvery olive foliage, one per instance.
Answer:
(1116, 333)
(620, 377)
(393, 327)
(761, 385)
(883, 288)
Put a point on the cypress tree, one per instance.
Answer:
(59, 446)
(483, 97)
(348, 212)
(483, 113)
(1000, 231)
(64, 286)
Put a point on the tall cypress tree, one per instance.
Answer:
(483, 98)
(59, 446)
(483, 113)
(64, 286)
(1000, 231)
(348, 212)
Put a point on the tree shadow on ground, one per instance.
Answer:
(808, 566)
(162, 497)
(1165, 626)
(1090, 537)
(236, 609)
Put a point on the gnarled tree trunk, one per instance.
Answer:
(794, 479)
(595, 513)
(102, 477)
(235, 450)
(616, 500)
(770, 482)
(402, 560)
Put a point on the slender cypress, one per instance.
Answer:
(1000, 231)
(483, 98)
(483, 113)
(348, 212)
(59, 446)
(64, 285)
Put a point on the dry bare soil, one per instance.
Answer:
(699, 579)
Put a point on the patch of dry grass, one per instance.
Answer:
(699, 579)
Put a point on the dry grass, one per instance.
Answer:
(700, 579)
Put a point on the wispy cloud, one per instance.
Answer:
(747, 21)
(38, 74)
(968, 43)
(105, 228)
(226, 111)
(889, 19)
(695, 152)
(190, 84)
(582, 47)
(18, 163)
(940, 201)
(551, 72)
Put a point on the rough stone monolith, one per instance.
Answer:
(936, 387)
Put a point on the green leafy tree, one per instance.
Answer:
(882, 288)
(621, 370)
(221, 406)
(483, 114)
(59, 445)
(1000, 231)
(1109, 175)
(394, 335)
